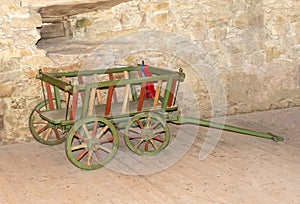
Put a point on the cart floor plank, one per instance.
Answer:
(240, 169)
(99, 110)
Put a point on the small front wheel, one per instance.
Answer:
(147, 134)
(43, 131)
(92, 143)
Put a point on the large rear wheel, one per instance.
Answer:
(92, 143)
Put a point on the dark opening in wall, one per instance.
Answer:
(56, 28)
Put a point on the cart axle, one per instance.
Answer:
(189, 120)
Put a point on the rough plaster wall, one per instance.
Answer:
(254, 45)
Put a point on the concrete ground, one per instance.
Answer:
(240, 169)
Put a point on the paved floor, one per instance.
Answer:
(240, 169)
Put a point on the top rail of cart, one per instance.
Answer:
(110, 93)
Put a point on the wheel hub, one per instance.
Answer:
(93, 144)
(147, 134)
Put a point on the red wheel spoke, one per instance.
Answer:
(159, 139)
(95, 129)
(42, 129)
(135, 137)
(135, 130)
(146, 146)
(162, 130)
(155, 125)
(57, 134)
(80, 156)
(111, 139)
(140, 124)
(98, 155)
(80, 137)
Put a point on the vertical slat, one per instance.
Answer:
(57, 98)
(85, 102)
(167, 93)
(109, 100)
(49, 96)
(142, 97)
(157, 93)
(133, 89)
(80, 81)
(126, 95)
(92, 102)
(66, 93)
(74, 106)
(99, 98)
(111, 78)
(171, 97)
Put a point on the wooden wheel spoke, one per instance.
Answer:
(139, 143)
(134, 137)
(148, 121)
(39, 121)
(146, 146)
(80, 137)
(161, 130)
(86, 131)
(154, 125)
(98, 136)
(42, 129)
(135, 130)
(47, 134)
(140, 124)
(159, 139)
(95, 129)
(98, 155)
(90, 156)
(153, 144)
(105, 149)
(77, 147)
(111, 139)
(56, 134)
(83, 153)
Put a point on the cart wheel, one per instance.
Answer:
(44, 132)
(92, 143)
(147, 134)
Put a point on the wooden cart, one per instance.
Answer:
(87, 108)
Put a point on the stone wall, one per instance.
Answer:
(249, 47)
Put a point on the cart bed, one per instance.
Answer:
(57, 116)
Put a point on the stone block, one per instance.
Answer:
(15, 53)
(218, 33)
(279, 29)
(9, 64)
(153, 6)
(273, 53)
(33, 21)
(6, 43)
(248, 19)
(6, 90)
(159, 19)
(130, 20)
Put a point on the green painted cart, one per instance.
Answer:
(85, 109)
